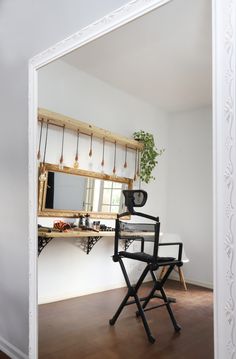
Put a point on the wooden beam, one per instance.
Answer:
(85, 173)
(85, 128)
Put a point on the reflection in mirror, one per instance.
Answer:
(72, 192)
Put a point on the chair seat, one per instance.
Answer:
(144, 257)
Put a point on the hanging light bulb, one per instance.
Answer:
(114, 168)
(43, 175)
(61, 165)
(138, 164)
(91, 146)
(76, 162)
(125, 163)
(39, 146)
(103, 154)
(135, 165)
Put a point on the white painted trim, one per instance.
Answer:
(46, 300)
(224, 154)
(194, 282)
(113, 20)
(101, 289)
(12, 351)
(224, 159)
(33, 238)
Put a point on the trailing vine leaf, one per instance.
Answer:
(149, 155)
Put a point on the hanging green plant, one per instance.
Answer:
(149, 155)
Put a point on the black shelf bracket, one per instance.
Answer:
(91, 242)
(86, 244)
(125, 243)
(42, 242)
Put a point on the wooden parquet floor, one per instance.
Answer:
(78, 328)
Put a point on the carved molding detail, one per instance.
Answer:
(229, 172)
(113, 20)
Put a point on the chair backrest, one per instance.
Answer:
(138, 231)
(134, 198)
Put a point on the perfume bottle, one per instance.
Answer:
(87, 221)
(81, 221)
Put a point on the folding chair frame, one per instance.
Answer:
(151, 266)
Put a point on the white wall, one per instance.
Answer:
(189, 189)
(64, 269)
(64, 89)
(26, 28)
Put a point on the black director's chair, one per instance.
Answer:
(142, 232)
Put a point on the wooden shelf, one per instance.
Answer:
(88, 233)
(75, 234)
(85, 128)
(45, 236)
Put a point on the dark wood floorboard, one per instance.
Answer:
(3, 356)
(78, 328)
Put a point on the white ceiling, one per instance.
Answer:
(163, 58)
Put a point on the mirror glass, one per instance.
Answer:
(69, 192)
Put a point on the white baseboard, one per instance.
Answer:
(195, 282)
(47, 300)
(10, 349)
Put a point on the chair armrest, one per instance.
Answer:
(180, 244)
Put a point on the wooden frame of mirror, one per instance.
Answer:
(42, 192)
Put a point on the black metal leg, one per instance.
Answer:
(119, 310)
(132, 292)
(170, 299)
(175, 324)
(144, 320)
(149, 297)
(166, 276)
(157, 285)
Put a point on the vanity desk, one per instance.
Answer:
(46, 235)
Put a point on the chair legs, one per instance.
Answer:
(163, 271)
(158, 286)
(181, 275)
(142, 308)
(177, 327)
(132, 292)
(120, 308)
(181, 278)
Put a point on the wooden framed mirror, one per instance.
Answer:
(70, 192)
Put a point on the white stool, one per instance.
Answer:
(172, 251)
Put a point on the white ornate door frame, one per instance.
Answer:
(224, 174)
(224, 159)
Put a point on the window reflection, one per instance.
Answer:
(105, 196)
